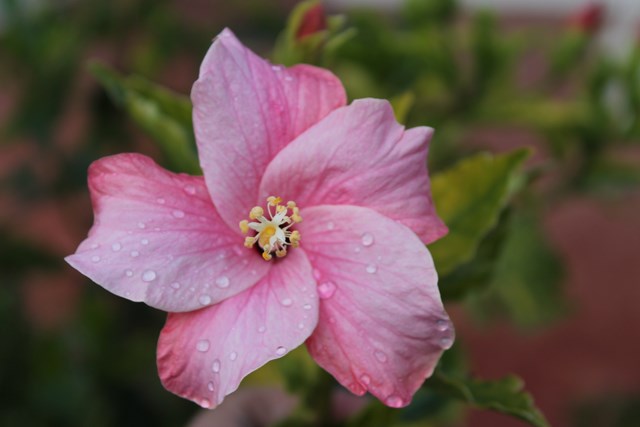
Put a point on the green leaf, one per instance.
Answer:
(527, 275)
(402, 105)
(469, 198)
(504, 395)
(162, 114)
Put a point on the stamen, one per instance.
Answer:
(272, 232)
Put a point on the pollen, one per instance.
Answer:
(272, 227)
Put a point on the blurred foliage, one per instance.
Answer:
(455, 72)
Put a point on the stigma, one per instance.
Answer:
(272, 230)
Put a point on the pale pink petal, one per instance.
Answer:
(157, 238)
(245, 110)
(203, 355)
(359, 155)
(382, 326)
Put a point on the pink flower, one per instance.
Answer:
(361, 288)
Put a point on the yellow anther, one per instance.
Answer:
(244, 226)
(280, 208)
(296, 215)
(281, 252)
(249, 242)
(256, 212)
(291, 204)
(266, 256)
(294, 239)
(274, 201)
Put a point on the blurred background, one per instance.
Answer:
(551, 291)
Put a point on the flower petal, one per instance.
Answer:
(157, 238)
(245, 112)
(382, 326)
(359, 155)
(203, 355)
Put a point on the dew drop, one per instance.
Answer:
(380, 356)
(160, 200)
(95, 258)
(261, 329)
(367, 239)
(280, 351)
(116, 247)
(316, 274)
(134, 254)
(300, 325)
(286, 302)
(233, 356)
(205, 300)
(326, 290)
(95, 246)
(175, 285)
(288, 78)
(202, 346)
(222, 282)
(205, 403)
(366, 379)
(357, 249)
(148, 276)
(371, 268)
(393, 401)
(144, 241)
(141, 225)
(446, 343)
(129, 273)
(330, 225)
(215, 367)
(210, 386)
(178, 214)
(190, 189)
(307, 306)
(442, 325)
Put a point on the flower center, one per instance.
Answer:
(272, 232)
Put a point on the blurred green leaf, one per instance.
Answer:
(402, 105)
(162, 114)
(469, 198)
(504, 395)
(526, 281)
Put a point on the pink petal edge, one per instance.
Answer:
(245, 111)
(359, 155)
(204, 355)
(157, 238)
(382, 325)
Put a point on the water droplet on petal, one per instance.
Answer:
(205, 300)
(366, 379)
(175, 285)
(215, 367)
(307, 306)
(380, 356)
(148, 276)
(141, 225)
(116, 247)
(202, 346)
(210, 386)
(205, 403)
(326, 290)
(94, 246)
(300, 325)
(446, 342)
(367, 239)
(286, 302)
(371, 268)
(160, 200)
(178, 214)
(280, 351)
(144, 241)
(442, 325)
(95, 258)
(261, 329)
(233, 356)
(288, 78)
(330, 225)
(357, 249)
(317, 274)
(129, 273)
(190, 189)
(393, 401)
(222, 282)
(135, 253)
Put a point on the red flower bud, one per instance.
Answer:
(314, 20)
(588, 19)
